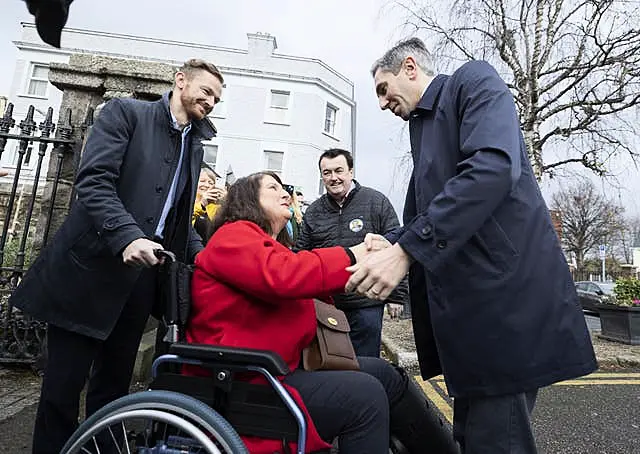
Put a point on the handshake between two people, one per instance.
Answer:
(379, 268)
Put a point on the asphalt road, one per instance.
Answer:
(597, 414)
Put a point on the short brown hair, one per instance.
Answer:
(195, 64)
(242, 203)
(332, 153)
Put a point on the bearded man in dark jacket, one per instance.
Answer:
(95, 282)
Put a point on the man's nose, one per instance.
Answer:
(384, 103)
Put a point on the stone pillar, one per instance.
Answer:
(87, 81)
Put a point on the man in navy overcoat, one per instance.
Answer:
(494, 305)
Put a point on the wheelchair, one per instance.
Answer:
(198, 414)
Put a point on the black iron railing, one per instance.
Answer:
(21, 337)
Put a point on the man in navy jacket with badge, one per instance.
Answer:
(345, 216)
(494, 306)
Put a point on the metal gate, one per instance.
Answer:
(26, 222)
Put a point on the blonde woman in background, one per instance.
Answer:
(208, 199)
(293, 226)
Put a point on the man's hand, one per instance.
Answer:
(359, 251)
(375, 242)
(379, 273)
(395, 310)
(3, 173)
(140, 253)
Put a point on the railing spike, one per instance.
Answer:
(7, 122)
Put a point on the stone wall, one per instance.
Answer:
(88, 81)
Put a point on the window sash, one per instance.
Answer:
(210, 155)
(273, 160)
(37, 87)
(280, 99)
(330, 119)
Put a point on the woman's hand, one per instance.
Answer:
(212, 195)
(359, 251)
(375, 242)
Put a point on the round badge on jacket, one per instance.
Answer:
(356, 225)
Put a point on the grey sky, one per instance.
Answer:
(347, 35)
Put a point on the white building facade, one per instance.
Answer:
(278, 112)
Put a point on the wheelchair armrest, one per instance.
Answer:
(271, 361)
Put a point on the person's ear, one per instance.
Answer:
(410, 67)
(180, 80)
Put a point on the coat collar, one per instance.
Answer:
(204, 127)
(430, 96)
(331, 201)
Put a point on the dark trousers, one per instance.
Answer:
(351, 405)
(495, 424)
(366, 329)
(72, 358)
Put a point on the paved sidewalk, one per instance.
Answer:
(19, 388)
(398, 346)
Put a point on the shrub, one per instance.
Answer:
(626, 292)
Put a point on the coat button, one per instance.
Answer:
(149, 220)
(441, 244)
(426, 230)
(158, 188)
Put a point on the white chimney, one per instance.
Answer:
(261, 44)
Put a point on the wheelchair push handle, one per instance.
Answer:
(167, 255)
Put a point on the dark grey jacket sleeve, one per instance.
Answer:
(195, 245)
(388, 217)
(304, 237)
(96, 183)
(400, 294)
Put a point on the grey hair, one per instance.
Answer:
(393, 58)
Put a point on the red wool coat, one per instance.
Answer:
(250, 291)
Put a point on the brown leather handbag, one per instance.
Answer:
(331, 349)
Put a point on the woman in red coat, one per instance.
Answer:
(249, 290)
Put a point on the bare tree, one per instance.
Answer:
(588, 219)
(573, 67)
(626, 238)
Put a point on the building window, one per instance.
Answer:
(331, 113)
(210, 155)
(26, 160)
(220, 109)
(273, 161)
(38, 81)
(279, 103)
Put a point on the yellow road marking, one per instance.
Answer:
(613, 374)
(435, 397)
(431, 387)
(443, 386)
(583, 382)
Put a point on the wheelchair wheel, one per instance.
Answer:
(155, 422)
